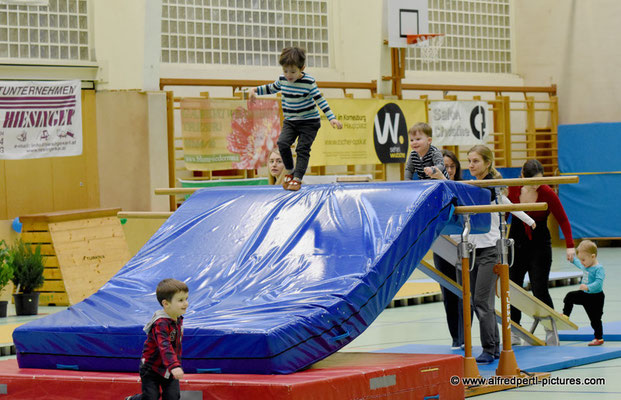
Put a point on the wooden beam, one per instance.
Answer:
(70, 215)
(551, 90)
(546, 180)
(501, 208)
(239, 83)
(175, 191)
(372, 85)
(144, 214)
(170, 138)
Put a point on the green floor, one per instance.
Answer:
(426, 323)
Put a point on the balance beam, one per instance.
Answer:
(456, 289)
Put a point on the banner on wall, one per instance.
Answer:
(460, 122)
(374, 131)
(223, 134)
(40, 119)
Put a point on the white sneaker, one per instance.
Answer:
(515, 340)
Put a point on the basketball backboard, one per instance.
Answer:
(406, 17)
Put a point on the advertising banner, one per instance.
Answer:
(223, 134)
(40, 119)
(460, 122)
(374, 131)
(237, 134)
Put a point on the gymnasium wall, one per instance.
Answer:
(556, 42)
(132, 146)
(358, 54)
(119, 41)
(573, 44)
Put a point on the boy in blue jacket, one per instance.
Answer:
(591, 293)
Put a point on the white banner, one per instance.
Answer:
(460, 122)
(40, 119)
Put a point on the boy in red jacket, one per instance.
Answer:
(160, 366)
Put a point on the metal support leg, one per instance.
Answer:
(507, 364)
(471, 370)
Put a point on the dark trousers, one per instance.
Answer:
(483, 281)
(533, 256)
(151, 383)
(305, 132)
(452, 303)
(593, 305)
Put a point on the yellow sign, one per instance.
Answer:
(223, 134)
(374, 131)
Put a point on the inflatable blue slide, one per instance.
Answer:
(278, 280)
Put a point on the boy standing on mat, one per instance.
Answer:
(425, 160)
(160, 366)
(299, 95)
(591, 293)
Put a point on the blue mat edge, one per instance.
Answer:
(601, 354)
(612, 333)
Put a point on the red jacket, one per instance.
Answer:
(162, 349)
(547, 195)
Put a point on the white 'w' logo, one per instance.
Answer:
(382, 133)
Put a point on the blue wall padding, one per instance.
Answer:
(589, 147)
(278, 280)
(507, 173)
(590, 203)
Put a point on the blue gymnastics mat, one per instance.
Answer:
(277, 280)
(529, 358)
(612, 333)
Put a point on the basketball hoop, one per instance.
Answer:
(429, 44)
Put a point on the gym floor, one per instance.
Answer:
(426, 324)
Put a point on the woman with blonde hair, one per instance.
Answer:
(482, 276)
(275, 168)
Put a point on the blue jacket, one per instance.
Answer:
(594, 276)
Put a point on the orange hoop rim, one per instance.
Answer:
(413, 39)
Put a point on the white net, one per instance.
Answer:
(430, 49)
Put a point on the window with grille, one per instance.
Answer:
(55, 32)
(477, 37)
(243, 32)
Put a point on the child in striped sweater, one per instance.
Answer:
(300, 98)
(425, 161)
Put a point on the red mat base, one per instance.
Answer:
(341, 376)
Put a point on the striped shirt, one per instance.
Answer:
(415, 164)
(299, 98)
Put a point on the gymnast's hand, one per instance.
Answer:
(434, 172)
(177, 373)
(336, 124)
(252, 93)
(571, 252)
(584, 288)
